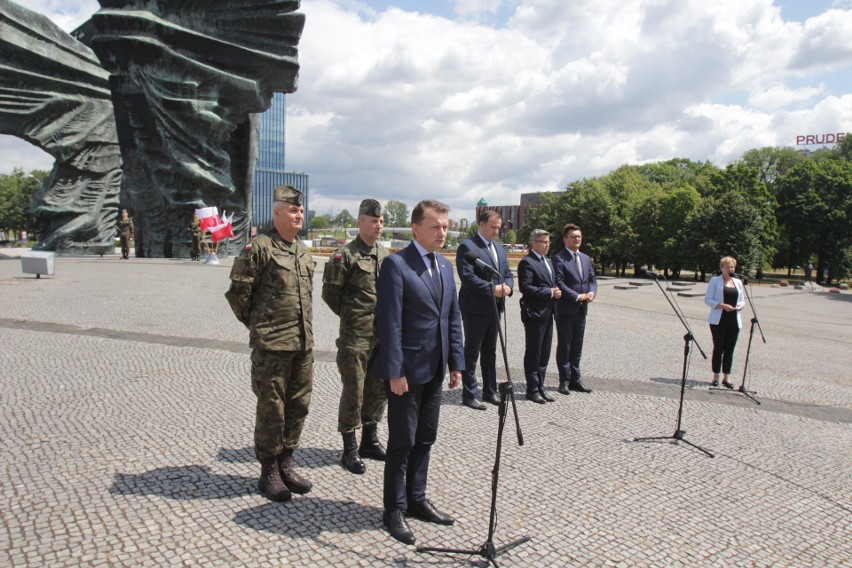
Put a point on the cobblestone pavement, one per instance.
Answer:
(126, 418)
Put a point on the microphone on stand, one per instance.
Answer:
(474, 258)
(740, 276)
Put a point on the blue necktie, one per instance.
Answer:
(433, 268)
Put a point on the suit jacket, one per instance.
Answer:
(716, 295)
(535, 282)
(477, 285)
(568, 280)
(418, 329)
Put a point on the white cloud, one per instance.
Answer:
(779, 96)
(393, 104)
(67, 14)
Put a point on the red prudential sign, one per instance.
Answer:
(811, 139)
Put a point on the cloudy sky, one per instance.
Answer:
(463, 99)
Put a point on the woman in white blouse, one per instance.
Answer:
(726, 297)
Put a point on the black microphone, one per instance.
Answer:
(739, 276)
(474, 258)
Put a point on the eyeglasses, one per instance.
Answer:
(575, 236)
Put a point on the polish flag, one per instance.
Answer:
(208, 217)
(223, 229)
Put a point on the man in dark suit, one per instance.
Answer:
(537, 283)
(575, 276)
(479, 287)
(420, 334)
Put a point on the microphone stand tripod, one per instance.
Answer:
(754, 322)
(678, 435)
(507, 393)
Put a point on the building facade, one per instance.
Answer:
(514, 216)
(270, 171)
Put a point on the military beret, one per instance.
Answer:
(288, 194)
(370, 207)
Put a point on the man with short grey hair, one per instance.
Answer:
(539, 293)
(271, 294)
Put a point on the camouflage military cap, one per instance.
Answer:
(370, 207)
(288, 194)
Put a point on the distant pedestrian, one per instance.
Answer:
(197, 234)
(809, 269)
(271, 293)
(125, 229)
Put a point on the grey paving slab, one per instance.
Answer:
(126, 419)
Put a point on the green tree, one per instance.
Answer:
(815, 213)
(744, 180)
(17, 193)
(844, 147)
(397, 214)
(320, 222)
(344, 219)
(772, 163)
(721, 226)
(585, 203)
(627, 187)
(676, 209)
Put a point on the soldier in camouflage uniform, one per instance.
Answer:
(124, 226)
(271, 293)
(197, 234)
(349, 289)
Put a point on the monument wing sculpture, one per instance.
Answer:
(55, 95)
(185, 76)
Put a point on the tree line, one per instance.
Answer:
(774, 207)
(17, 192)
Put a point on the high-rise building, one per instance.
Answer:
(270, 170)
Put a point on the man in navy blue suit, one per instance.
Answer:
(537, 283)
(420, 334)
(479, 287)
(575, 276)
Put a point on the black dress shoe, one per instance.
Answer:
(547, 397)
(426, 511)
(474, 404)
(492, 399)
(536, 397)
(563, 388)
(579, 387)
(398, 527)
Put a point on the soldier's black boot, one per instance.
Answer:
(271, 484)
(351, 461)
(294, 482)
(371, 448)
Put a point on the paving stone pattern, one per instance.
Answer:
(126, 416)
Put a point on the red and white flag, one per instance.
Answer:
(208, 217)
(223, 229)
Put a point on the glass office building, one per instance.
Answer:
(269, 172)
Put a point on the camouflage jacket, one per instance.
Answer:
(349, 289)
(271, 293)
(124, 227)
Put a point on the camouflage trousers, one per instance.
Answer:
(282, 381)
(363, 399)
